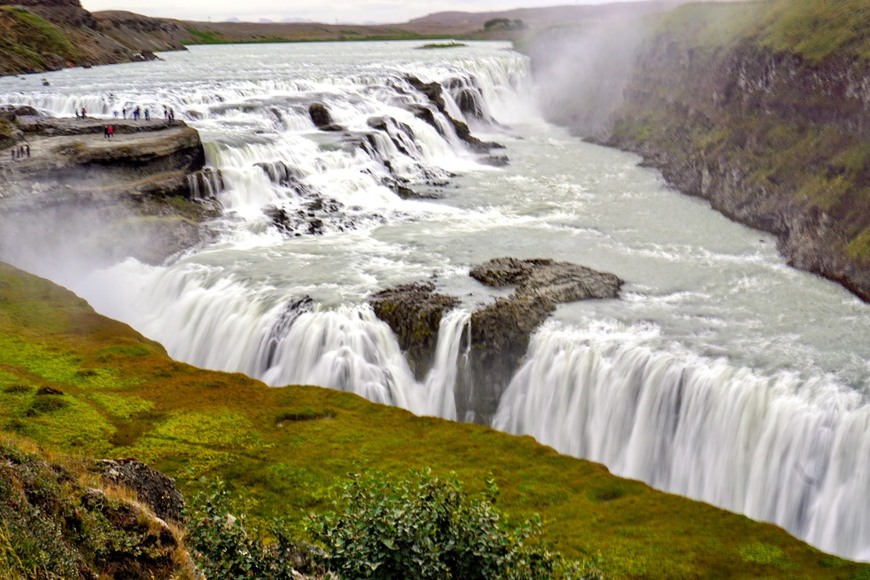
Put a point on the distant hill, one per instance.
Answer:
(41, 35)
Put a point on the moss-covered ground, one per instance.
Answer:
(283, 448)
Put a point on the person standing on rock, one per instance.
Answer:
(147, 115)
(111, 131)
(27, 149)
(77, 114)
(124, 112)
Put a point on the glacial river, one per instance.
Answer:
(722, 374)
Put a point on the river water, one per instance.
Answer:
(722, 374)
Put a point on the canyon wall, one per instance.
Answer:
(760, 107)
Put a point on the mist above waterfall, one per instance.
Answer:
(581, 70)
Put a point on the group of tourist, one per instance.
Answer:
(20, 152)
(136, 114)
(139, 113)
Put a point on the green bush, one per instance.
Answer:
(227, 546)
(425, 527)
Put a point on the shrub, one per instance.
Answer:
(227, 546)
(426, 527)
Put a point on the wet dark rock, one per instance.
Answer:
(313, 217)
(414, 313)
(11, 112)
(434, 92)
(496, 160)
(153, 488)
(426, 114)
(322, 118)
(292, 311)
(500, 331)
(557, 282)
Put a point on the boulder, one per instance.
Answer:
(322, 118)
(153, 488)
(557, 282)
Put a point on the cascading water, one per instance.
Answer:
(723, 374)
(449, 361)
(778, 448)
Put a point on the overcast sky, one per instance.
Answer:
(328, 11)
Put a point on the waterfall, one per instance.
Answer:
(779, 448)
(449, 362)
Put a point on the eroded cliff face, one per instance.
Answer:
(47, 35)
(67, 189)
(63, 11)
(772, 138)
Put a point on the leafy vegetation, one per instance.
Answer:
(426, 527)
(282, 449)
(227, 546)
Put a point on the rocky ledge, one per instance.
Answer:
(138, 193)
(500, 331)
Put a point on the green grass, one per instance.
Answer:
(28, 39)
(818, 29)
(205, 37)
(813, 29)
(284, 448)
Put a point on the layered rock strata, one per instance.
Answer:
(131, 194)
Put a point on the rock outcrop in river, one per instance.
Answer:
(500, 331)
(134, 194)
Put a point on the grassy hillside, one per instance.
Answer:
(284, 447)
(813, 29)
(30, 42)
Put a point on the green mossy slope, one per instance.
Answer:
(29, 42)
(284, 447)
